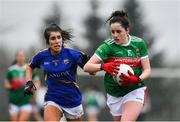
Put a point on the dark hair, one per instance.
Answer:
(120, 17)
(66, 35)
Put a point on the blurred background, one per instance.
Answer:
(156, 21)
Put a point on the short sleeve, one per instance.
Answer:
(80, 57)
(143, 49)
(102, 52)
(8, 76)
(36, 61)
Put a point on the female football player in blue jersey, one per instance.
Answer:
(60, 66)
(125, 99)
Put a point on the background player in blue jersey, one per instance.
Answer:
(60, 67)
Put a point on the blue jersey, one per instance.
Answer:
(61, 75)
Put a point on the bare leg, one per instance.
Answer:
(131, 111)
(116, 118)
(14, 117)
(92, 117)
(52, 113)
(24, 116)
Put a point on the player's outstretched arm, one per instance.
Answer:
(93, 65)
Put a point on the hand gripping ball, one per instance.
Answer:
(123, 68)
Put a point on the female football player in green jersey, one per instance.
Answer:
(126, 100)
(20, 107)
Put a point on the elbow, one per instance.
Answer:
(148, 72)
(85, 68)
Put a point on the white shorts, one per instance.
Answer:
(14, 109)
(115, 103)
(70, 113)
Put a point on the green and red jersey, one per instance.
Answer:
(130, 53)
(17, 74)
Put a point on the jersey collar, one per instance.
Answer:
(22, 68)
(58, 54)
(129, 41)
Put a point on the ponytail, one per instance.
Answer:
(119, 17)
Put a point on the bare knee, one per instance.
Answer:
(131, 111)
(24, 116)
(14, 117)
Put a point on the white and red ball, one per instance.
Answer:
(123, 68)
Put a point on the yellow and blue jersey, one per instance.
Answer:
(61, 72)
